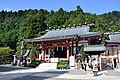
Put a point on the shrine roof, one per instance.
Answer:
(92, 48)
(64, 33)
(114, 38)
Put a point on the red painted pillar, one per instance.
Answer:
(43, 55)
(68, 53)
(77, 47)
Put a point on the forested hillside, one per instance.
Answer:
(113, 19)
(23, 24)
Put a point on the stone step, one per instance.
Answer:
(47, 66)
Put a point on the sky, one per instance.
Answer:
(88, 6)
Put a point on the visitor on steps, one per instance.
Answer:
(95, 67)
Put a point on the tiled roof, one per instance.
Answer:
(64, 33)
(94, 48)
(114, 38)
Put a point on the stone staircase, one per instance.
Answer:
(47, 66)
(118, 65)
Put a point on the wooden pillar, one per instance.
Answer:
(89, 42)
(77, 47)
(118, 55)
(43, 55)
(113, 57)
(68, 53)
(71, 47)
(100, 63)
(97, 58)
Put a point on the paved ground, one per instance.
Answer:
(40, 74)
(4, 68)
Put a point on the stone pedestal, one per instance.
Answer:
(14, 59)
(40, 56)
(72, 62)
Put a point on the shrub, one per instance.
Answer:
(34, 63)
(6, 55)
(63, 64)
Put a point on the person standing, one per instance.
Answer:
(85, 64)
(95, 67)
(90, 65)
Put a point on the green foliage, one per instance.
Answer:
(76, 18)
(116, 28)
(33, 52)
(57, 19)
(101, 25)
(63, 64)
(82, 53)
(6, 55)
(34, 63)
(23, 24)
(112, 17)
(105, 37)
(90, 18)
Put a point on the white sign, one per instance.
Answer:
(72, 62)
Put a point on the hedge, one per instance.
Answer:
(63, 64)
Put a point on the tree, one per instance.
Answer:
(82, 53)
(6, 55)
(18, 25)
(101, 25)
(111, 17)
(116, 28)
(31, 26)
(57, 19)
(76, 17)
(90, 18)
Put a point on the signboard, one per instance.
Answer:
(72, 62)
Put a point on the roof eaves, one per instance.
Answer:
(90, 34)
(94, 48)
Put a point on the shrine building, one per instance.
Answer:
(61, 43)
